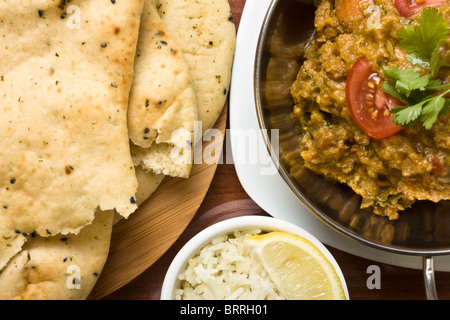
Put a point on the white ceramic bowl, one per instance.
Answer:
(193, 246)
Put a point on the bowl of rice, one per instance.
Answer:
(218, 264)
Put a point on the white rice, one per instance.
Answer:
(227, 269)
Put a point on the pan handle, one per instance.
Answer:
(428, 276)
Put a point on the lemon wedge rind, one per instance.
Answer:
(299, 268)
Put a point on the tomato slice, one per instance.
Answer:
(348, 11)
(406, 8)
(368, 104)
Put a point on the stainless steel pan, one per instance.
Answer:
(423, 230)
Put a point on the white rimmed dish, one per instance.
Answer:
(193, 246)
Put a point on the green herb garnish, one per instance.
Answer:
(419, 92)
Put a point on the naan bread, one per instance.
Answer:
(64, 149)
(43, 267)
(148, 182)
(162, 108)
(10, 243)
(59, 267)
(206, 33)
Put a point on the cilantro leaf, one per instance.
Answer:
(389, 88)
(436, 63)
(407, 115)
(418, 92)
(431, 110)
(426, 111)
(436, 84)
(407, 80)
(414, 59)
(446, 108)
(431, 32)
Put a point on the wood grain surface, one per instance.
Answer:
(226, 198)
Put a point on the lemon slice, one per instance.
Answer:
(299, 269)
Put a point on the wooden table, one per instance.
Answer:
(227, 194)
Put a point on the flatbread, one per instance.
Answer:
(64, 148)
(10, 244)
(162, 108)
(148, 183)
(41, 269)
(59, 267)
(206, 33)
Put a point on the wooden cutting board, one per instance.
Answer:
(143, 238)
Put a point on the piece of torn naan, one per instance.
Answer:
(206, 34)
(64, 148)
(65, 86)
(163, 109)
(59, 267)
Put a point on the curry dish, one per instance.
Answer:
(390, 173)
